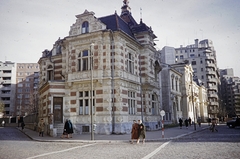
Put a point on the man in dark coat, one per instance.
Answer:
(186, 123)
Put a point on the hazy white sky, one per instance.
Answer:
(27, 27)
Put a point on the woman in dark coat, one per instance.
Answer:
(134, 132)
(70, 132)
(180, 122)
(186, 123)
(141, 131)
(67, 128)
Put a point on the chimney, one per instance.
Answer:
(196, 43)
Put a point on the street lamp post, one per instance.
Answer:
(91, 63)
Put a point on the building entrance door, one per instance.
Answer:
(57, 109)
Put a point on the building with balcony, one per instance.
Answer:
(7, 86)
(202, 57)
(106, 72)
(230, 93)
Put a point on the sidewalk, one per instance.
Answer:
(169, 134)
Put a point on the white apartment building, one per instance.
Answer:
(8, 86)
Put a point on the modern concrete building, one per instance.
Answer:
(7, 86)
(26, 83)
(105, 72)
(202, 56)
(230, 94)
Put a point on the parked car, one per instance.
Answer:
(233, 123)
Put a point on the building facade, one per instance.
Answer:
(105, 72)
(26, 84)
(230, 94)
(202, 56)
(7, 86)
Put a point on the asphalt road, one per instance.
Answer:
(223, 144)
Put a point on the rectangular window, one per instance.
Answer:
(86, 106)
(154, 105)
(181, 56)
(130, 63)
(83, 61)
(193, 62)
(131, 103)
(192, 55)
(81, 107)
(85, 103)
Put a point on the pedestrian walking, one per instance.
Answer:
(41, 126)
(209, 121)
(190, 121)
(3, 123)
(134, 132)
(67, 127)
(199, 121)
(213, 126)
(70, 132)
(186, 123)
(180, 122)
(141, 131)
(22, 125)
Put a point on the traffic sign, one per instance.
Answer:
(162, 113)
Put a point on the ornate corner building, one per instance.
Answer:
(106, 71)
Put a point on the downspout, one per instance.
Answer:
(112, 54)
(141, 94)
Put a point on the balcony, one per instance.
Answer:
(213, 111)
(213, 95)
(210, 72)
(210, 58)
(213, 103)
(212, 80)
(213, 65)
(212, 87)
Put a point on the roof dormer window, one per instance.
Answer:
(85, 27)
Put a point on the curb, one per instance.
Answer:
(110, 141)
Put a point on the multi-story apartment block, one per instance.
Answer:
(7, 86)
(202, 57)
(230, 94)
(105, 72)
(26, 84)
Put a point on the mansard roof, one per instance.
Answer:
(115, 23)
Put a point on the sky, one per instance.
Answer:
(27, 27)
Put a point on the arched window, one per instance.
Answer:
(172, 83)
(84, 60)
(176, 84)
(85, 27)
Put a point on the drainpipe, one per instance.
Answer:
(141, 94)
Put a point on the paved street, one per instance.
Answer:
(201, 144)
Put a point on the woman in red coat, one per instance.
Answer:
(134, 132)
